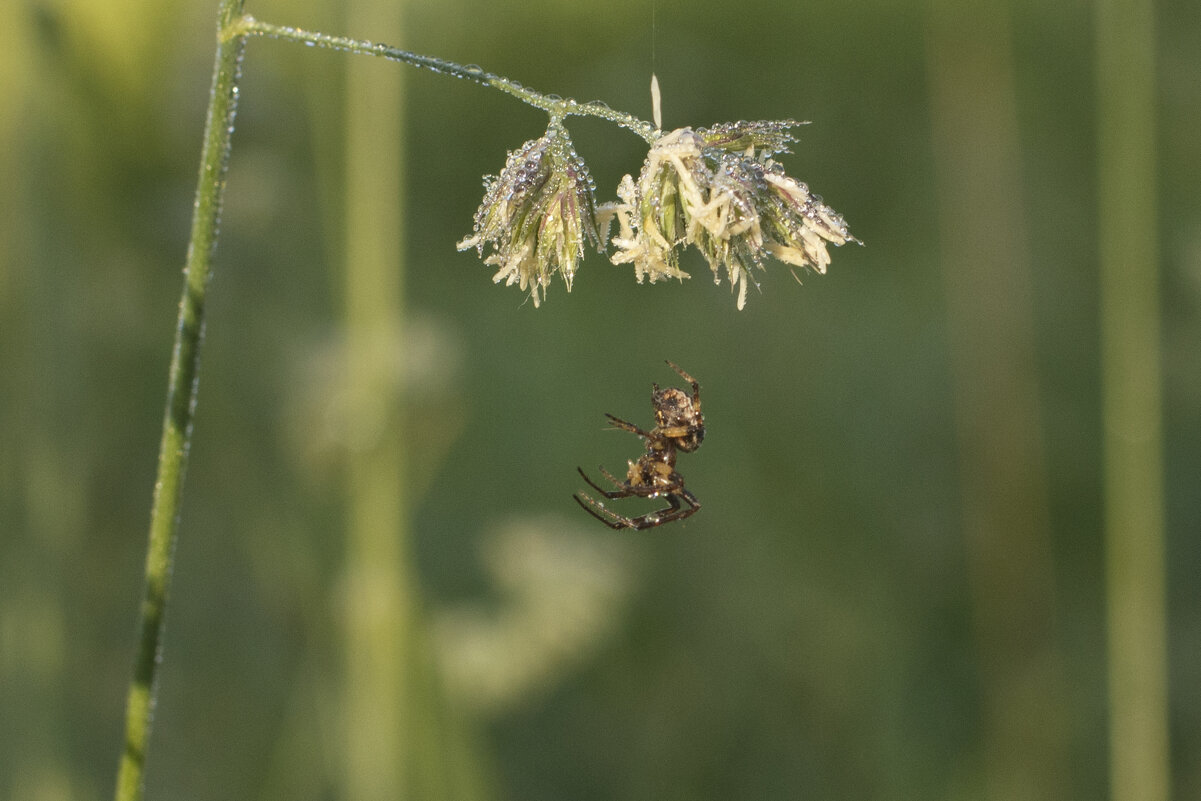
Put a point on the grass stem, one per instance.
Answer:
(181, 407)
(556, 106)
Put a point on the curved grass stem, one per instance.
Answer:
(557, 107)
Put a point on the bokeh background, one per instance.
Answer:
(383, 588)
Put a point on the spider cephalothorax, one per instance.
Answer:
(679, 426)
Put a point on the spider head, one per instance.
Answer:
(678, 416)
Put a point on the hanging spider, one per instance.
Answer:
(679, 426)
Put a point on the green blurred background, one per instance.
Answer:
(896, 587)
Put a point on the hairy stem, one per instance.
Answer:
(181, 405)
(557, 107)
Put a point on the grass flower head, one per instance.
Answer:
(536, 214)
(719, 190)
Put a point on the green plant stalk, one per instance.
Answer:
(1131, 387)
(379, 602)
(181, 405)
(556, 106)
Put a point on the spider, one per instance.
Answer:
(679, 426)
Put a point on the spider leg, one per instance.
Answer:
(610, 494)
(653, 519)
(624, 426)
(617, 522)
(694, 505)
(624, 490)
(617, 482)
(598, 510)
(674, 511)
(696, 387)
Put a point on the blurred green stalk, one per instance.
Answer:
(181, 405)
(400, 739)
(377, 701)
(988, 279)
(1131, 402)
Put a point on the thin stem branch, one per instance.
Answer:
(181, 405)
(554, 105)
